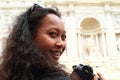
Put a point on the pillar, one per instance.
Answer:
(110, 34)
(103, 45)
(80, 52)
(97, 43)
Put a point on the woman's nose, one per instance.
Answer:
(60, 43)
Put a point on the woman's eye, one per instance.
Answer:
(53, 34)
(64, 37)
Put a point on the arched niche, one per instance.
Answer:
(90, 24)
(91, 39)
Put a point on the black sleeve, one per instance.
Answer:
(56, 76)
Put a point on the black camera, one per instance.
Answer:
(85, 72)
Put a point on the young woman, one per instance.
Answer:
(34, 47)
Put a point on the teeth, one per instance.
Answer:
(56, 54)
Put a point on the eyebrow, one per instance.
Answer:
(56, 29)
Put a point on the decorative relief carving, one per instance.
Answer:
(117, 19)
(91, 52)
(118, 42)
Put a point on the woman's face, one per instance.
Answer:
(51, 35)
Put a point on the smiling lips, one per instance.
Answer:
(56, 54)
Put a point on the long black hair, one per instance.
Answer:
(21, 56)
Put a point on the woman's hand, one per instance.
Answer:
(98, 76)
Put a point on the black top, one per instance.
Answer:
(51, 76)
(56, 76)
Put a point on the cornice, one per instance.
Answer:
(62, 3)
(75, 3)
(83, 2)
(15, 5)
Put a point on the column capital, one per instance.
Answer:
(107, 7)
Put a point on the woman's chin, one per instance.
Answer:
(56, 58)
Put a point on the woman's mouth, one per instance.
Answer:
(56, 54)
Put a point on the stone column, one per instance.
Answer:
(71, 37)
(110, 34)
(103, 45)
(80, 52)
(97, 43)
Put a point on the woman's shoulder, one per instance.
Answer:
(55, 76)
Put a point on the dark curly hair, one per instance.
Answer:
(22, 59)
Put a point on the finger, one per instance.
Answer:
(95, 78)
(101, 77)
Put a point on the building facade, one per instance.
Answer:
(93, 28)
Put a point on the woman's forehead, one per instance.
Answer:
(52, 18)
(51, 21)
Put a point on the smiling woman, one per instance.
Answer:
(50, 36)
(34, 47)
